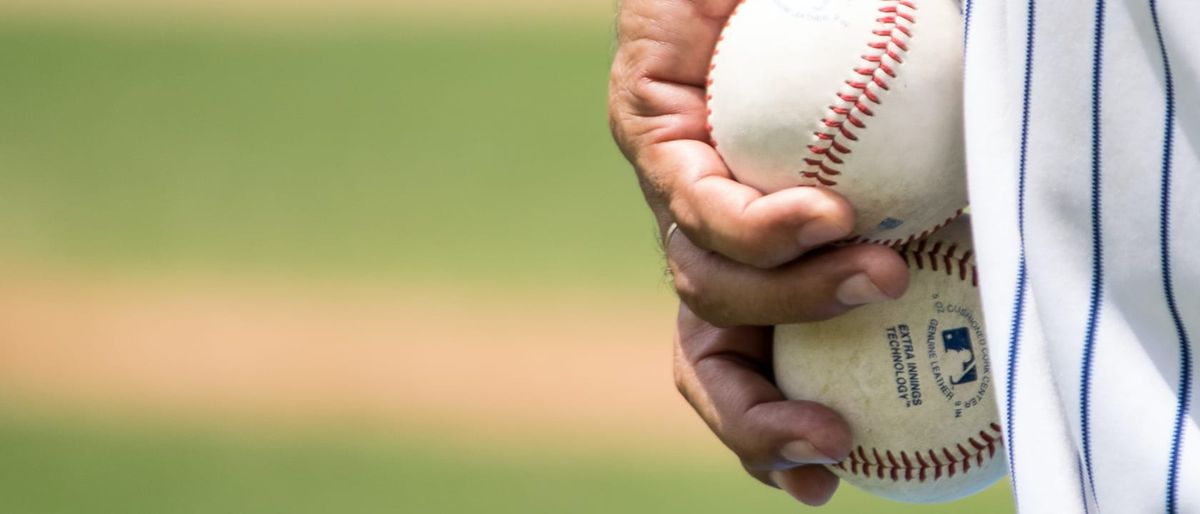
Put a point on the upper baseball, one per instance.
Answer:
(864, 96)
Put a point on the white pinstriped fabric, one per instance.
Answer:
(1083, 133)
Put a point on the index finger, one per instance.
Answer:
(735, 220)
(659, 118)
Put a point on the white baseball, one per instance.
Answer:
(862, 96)
(911, 377)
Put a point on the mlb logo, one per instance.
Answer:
(890, 223)
(959, 356)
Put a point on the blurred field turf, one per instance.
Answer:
(398, 153)
(58, 467)
(406, 152)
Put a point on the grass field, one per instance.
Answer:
(395, 153)
(51, 469)
(404, 151)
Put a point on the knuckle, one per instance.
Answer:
(694, 290)
(715, 313)
(680, 376)
(708, 310)
(690, 290)
(681, 385)
(639, 87)
(682, 212)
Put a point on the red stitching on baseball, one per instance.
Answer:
(712, 65)
(917, 466)
(892, 32)
(899, 242)
(875, 74)
(923, 254)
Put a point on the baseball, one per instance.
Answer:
(912, 378)
(862, 96)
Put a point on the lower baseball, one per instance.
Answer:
(912, 377)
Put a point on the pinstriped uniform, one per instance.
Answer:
(1083, 149)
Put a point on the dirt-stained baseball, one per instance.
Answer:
(862, 96)
(912, 378)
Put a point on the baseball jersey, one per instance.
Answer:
(1083, 132)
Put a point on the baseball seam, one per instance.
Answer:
(836, 132)
(867, 84)
(931, 464)
(712, 65)
(893, 242)
(940, 256)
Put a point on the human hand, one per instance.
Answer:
(740, 257)
(725, 374)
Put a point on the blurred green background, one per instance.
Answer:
(437, 160)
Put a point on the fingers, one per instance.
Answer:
(658, 76)
(767, 431)
(820, 286)
(658, 116)
(811, 485)
(725, 374)
(730, 235)
(737, 221)
(670, 41)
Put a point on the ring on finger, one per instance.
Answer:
(671, 230)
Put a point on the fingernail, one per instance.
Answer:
(803, 452)
(819, 231)
(859, 290)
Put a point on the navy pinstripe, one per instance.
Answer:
(1185, 351)
(1018, 315)
(966, 24)
(1071, 444)
(1097, 290)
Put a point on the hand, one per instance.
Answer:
(740, 257)
(726, 265)
(725, 373)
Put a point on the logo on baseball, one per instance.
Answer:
(912, 377)
(862, 96)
